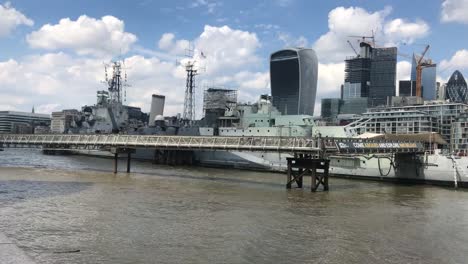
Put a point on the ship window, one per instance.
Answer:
(258, 130)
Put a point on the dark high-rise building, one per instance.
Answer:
(293, 74)
(407, 88)
(357, 74)
(456, 89)
(382, 76)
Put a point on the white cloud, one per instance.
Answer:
(226, 50)
(459, 61)
(10, 18)
(290, 41)
(175, 47)
(355, 21)
(85, 36)
(455, 11)
(400, 30)
(209, 5)
(69, 81)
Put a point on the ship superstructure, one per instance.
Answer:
(109, 114)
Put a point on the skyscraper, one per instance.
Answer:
(357, 74)
(456, 89)
(428, 77)
(293, 75)
(382, 76)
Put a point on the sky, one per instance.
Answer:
(53, 52)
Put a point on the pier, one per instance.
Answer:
(309, 155)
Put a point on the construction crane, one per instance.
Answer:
(364, 39)
(351, 45)
(419, 67)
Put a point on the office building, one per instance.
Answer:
(21, 122)
(357, 74)
(456, 89)
(354, 106)
(428, 77)
(62, 121)
(330, 108)
(382, 76)
(293, 74)
(407, 88)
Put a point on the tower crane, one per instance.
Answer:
(419, 67)
(351, 45)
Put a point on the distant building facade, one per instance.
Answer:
(382, 76)
(456, 89)
(330, 108)
(293, 74)
(428, 78)
(357, 74)
(370, 79)
(407, 88)
(62, 121)
(22, 122)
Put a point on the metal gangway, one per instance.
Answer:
(313, 145)
(309, 156)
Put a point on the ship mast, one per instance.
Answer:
(115, 84)
(189, 100)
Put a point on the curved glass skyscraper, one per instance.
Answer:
(456, 90)
(293, 75)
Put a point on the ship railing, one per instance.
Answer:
(174, 142)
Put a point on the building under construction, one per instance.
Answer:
(216, 102)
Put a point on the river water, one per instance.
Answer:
(54, 206)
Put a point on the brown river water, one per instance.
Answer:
(73, 209)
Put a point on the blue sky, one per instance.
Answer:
(59, 66)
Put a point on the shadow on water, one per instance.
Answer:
(20, 190)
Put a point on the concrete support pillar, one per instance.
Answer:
(129, 158)
(116, 161)
(325, 175)
(289, 175)
(313, 186)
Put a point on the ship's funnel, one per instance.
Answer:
(157, 107)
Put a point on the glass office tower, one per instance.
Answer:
(382, 76)
(456, 89)
(293, 75)
(428, 78)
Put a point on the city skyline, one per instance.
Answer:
(54, 52)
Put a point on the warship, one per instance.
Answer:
(224, 116)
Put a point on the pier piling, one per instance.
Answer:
(116, 161)
(129, 158)
(116, 152)
(300, 166)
